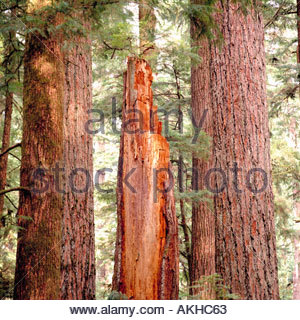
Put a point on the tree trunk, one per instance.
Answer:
(39, 241)
(236, 237)
(55, 257)
(203, 218)
(9, 69)
(146, 256)
(147, 23)
(78, 246)
(5, 145)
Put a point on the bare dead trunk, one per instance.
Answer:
(235, 238)
(146, 256)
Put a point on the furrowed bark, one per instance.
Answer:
(39, 241)
(203, 219)
(236, 237)
(146, 256)
(55, 258)
(78, 245)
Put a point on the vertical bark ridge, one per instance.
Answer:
(242, 227)
(55, 254)
(39, 241)
(78, 246)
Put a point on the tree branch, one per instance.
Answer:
(13, 155)
(273, 19)
(7, 197)
(10, 148)
(2, 192)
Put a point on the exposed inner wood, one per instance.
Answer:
(146, 265)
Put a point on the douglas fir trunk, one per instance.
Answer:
(236, 237)
(55, 257)
(39, 240)
(78, 247)
(146, 257)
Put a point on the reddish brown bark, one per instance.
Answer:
(5, 145)
(78, 246)
(146, 256)
(235, 238)
(9, 69)
(39, 241)
(55, 257)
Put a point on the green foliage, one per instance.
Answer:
(194, 196)
(114, 295)
(283, 98)
(114, 37)
(11, 57)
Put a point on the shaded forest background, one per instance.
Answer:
(114, 37)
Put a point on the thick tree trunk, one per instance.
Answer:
(55, 258)
(78, 245)
(39, 240)
(236, 237)
(146, 256)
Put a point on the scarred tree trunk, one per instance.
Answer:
(78, 245)
(146, 256)
(39, 241)
(234, 238)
